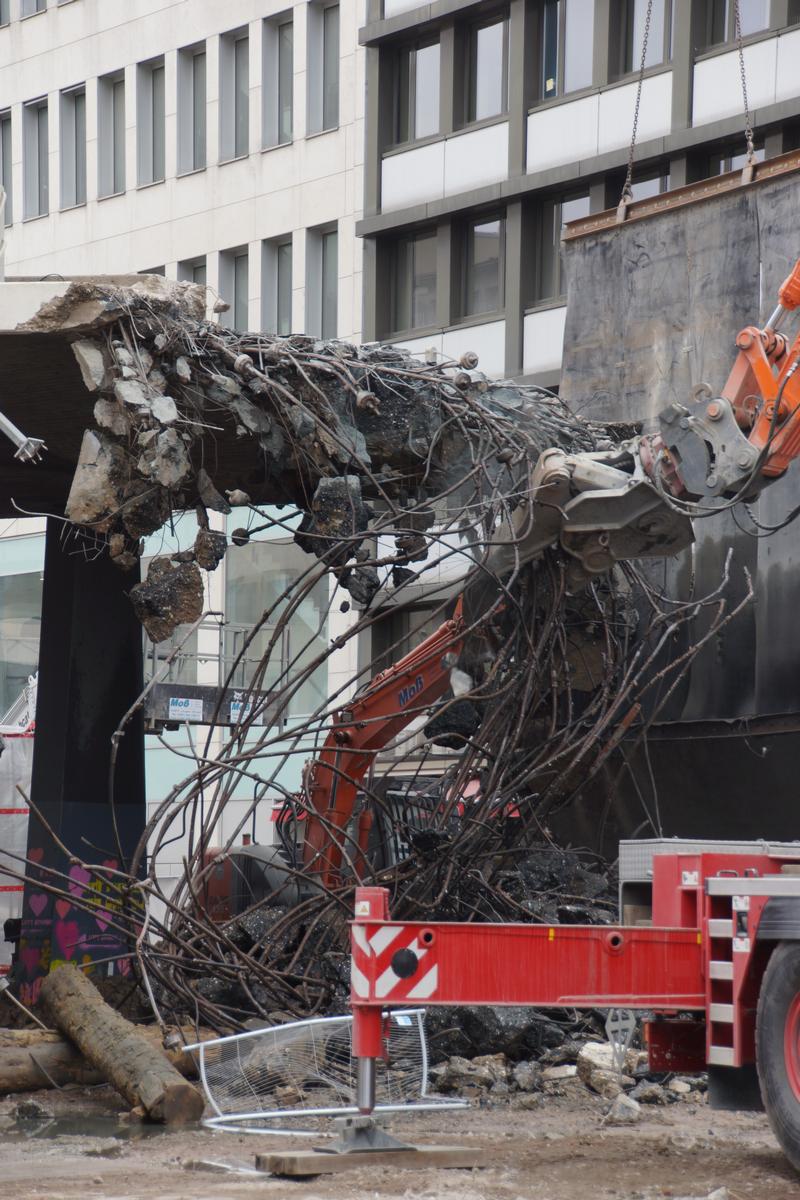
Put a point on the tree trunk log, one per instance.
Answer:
(31, 1059)
(141, 1073)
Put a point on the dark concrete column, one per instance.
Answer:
(685, 33)
(90, 672)
(516, 266)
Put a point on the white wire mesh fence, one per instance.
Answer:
(304, 1071)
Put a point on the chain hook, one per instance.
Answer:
(626, 195)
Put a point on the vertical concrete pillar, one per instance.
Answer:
(90, 673)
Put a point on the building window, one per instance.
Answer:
(5, 165)
(20, 614)
(632, 16)
(488, 70)
(192, 109)
(278, 80)
(717, 21)
(234, 284)
(646, 188)
(414, 284)
(323, 67)
(111, 134)
(73, 147)
(5, 12)
(484, 284)
(36, 159)
(29, 7)
(234, 92)
(416, 92)
(322, 282)
(276, 286)
(193, 270)
(551, 284)
(150, 121)
(256, 576)
(567, 46)
(733, 159)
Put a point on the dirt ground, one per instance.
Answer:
(560, 1151)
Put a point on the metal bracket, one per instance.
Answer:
(620, 1028)
(358, 1134)
(711, 453)
(29, 449)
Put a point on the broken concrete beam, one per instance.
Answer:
(139, 1072)
(171, 595)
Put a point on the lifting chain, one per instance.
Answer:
(747, 171)
(627, 191)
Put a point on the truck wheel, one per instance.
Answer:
(778, 1046)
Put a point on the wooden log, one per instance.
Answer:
(142, 1074)
(31, 1059)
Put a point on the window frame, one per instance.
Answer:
(471, 67)
(110, 153)
(709, 43)
(151, 153)
(191, 132)
(408, 53)
(232, 121)
(397, 320)
(467, 230)
(73, 172)
(622, 41)
(318, 118)
(7, 159)
(271, 283)
(561, 51)
(32, 174)
(272, 63)
(555, 296)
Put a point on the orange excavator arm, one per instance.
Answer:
(358, 732)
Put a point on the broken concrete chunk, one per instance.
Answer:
(172, 595)
(209, 548)
(145, 508)
(170, 464)
(164, 409)
(182, 369)
(91, 361)
(249, 414)
(558, 1074)
(337, 514)
(362, 583)
(623, 1111)
(98, 483)
(599, 1056)
(208, 493)
(109, 414)
(123, 356)
(130, 391)
(647, 1092)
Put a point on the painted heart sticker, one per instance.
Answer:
(102, 919)
(111, 863)
(29, 957)
(78, 880)
(67, 937)
(63, 907)
(38, 903)
(36, 854)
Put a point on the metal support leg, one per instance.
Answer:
(365, 1085)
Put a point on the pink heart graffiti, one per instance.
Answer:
(67, 937)
(78, 880)
(38, 903)
(30, 956)
(63, 907)
(102, 919)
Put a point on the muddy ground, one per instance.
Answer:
(559, 1151)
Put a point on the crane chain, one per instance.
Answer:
(748, 127)
(627, 191)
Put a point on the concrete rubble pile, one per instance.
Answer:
(576, 1066)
